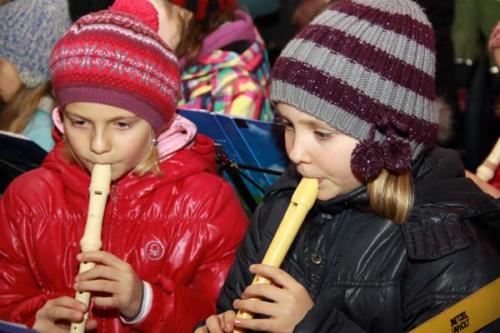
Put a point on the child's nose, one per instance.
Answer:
(297, 152)
(100, 143)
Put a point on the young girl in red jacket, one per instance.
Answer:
(170, 225)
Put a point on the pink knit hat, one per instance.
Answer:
(115, 57)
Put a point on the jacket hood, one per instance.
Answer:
(241, 29)
(198, 157)
(217, 55)
(357, 198)
(439, 177)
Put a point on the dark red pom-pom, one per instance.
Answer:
(367, 160)
(396, 155)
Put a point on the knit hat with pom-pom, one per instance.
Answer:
(115, 57)
(366, 67)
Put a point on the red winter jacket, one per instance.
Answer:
(179, 232)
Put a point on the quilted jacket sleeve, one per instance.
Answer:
(20, 297)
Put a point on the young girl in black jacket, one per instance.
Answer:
(397, 234)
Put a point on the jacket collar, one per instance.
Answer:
(198, 157)
(357, 198)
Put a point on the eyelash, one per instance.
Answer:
(123, 125)
(83, 123)
(281, 122)
(323, 136)
(78, 123)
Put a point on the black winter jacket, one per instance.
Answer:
(368, 274)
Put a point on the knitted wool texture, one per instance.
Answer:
(113, 58)
(201, 8)
(29, 29)
(366, 68)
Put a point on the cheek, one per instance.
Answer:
(77, 142)
(338, 162)
(10, 82)
(137, 150)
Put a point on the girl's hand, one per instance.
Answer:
(114, 277)
(221, 323)
(58, 313)
(285, 302)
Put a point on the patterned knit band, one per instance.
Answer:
(201, 8)
(114, 58)
(29, 29)
(366, 67)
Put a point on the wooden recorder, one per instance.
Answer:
(91, 240)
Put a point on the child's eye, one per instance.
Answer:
(283, 123)
(79, 123)
(323, 135)
(123, 124)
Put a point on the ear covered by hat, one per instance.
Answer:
(115, 57)
(366, 67)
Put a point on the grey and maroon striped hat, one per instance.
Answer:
(366, 67)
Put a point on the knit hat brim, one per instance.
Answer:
(361, 66)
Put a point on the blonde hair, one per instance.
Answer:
(149, 163)
(21, 107)
(391, 195)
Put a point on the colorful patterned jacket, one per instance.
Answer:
(228, 81)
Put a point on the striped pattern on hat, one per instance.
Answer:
(201, 8)
(364, 67)
(116, 59)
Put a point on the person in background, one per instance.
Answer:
(224, 62)
(306, 10)
(397, 233)
(494, 47)
(79, 8)
(171, 225)
(28, 31)
(491, 186)
(477, 77)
